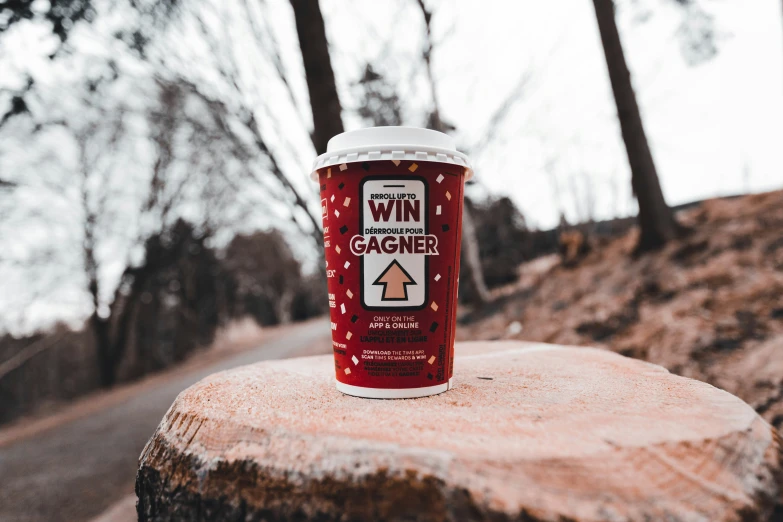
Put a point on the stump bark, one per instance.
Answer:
(530, 432)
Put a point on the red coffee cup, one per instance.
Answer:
(391, 202)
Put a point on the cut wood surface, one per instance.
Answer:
(530, 432)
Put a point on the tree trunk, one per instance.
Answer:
(107, 368)
(656, 220)
(470, 256)
(470, 244)
(324, 101)
(123, 308)
(283, 306)
(100, 326)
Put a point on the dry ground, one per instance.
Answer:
(709, 306)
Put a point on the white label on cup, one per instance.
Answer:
(394, 243)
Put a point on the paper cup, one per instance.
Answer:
(391, 202)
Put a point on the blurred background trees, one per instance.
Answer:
(267, 275)
(153, 155)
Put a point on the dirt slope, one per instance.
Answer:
(709, 306)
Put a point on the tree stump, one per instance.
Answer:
(530, 432)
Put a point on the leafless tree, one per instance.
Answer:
(656, 221)
(94, 195)
(242, 111)
(470, 244)
(108, 200)
(111, 320)
(324, 101)
(168, 119)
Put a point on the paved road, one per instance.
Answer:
(77, 470)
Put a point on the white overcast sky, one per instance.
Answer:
(715, 129)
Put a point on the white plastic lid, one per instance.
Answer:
(391, 143)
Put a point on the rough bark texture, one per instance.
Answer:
(531, 432)
(324, 101)
(656, 220)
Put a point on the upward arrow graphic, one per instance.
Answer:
(395, 281)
